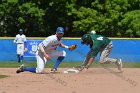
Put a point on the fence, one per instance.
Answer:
(127, 49)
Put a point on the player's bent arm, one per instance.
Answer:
(44, 53)
(46, 56)
(41, 48)
(15, 40)
(63, 46)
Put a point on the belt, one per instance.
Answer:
(19, 43)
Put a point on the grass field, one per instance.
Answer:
(65, 64)
(3, 76)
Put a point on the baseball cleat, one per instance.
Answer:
(53, 70)
(119, 64)
(21, 60)
(20, 69)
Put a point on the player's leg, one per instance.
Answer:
(21, 58)
(41, 60)
(58, 61)
(105, 60)
(19, 52)
(104, 55)
(18, 55)
(60, 55)
(22, 68)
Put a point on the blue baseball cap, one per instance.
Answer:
(60, 30)
(20, 30)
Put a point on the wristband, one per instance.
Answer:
(66, 47)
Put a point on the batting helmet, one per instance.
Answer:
(85, 38)
(60, 30)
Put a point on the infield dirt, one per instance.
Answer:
(93, 80)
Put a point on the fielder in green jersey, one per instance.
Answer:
(102, 44)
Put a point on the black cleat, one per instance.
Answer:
(20, 69)
(53, 70)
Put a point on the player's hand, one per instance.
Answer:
(87, 66)
(46, 56)
(80, 68)
(15, 42)
(25, 49)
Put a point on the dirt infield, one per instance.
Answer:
(93, 80)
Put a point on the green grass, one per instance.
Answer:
(3, 76)
(65, 64)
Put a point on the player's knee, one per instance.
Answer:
(60, 58)
(64, 53)
(103, 60)
(39, 70)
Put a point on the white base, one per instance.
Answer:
(71, 71)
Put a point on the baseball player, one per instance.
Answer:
(98, 43)
(46, 51)
(20, 40)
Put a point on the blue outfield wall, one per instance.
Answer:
(127, 50)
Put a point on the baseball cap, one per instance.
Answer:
(20, 30)
(60, 30)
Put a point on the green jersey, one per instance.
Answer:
(98, 42)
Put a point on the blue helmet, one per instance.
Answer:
(60, 30)
(20, 30)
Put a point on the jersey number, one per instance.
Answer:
(100, 38)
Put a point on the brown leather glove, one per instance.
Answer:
(72, 47)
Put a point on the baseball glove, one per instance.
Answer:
(26, 49)
(72, 47)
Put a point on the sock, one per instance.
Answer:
(18, 57)
(30, 69)
(58, 61)
(21, 58)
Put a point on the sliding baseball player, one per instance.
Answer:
(98, 43)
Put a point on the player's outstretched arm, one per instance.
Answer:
(71, 48)
(63, 46)
(91, 60)
(85, 65)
